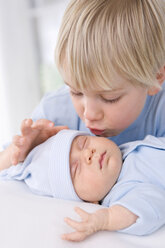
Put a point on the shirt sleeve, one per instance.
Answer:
(147, 201)
(158, 108)
(57, 107)
(33, 171)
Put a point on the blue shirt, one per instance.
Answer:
(57, 107)
(141, 184)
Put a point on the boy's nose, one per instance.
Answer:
(92, 111)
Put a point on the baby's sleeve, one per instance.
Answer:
(147, 201)
(33, 171)
(15, 172)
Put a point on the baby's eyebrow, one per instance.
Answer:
(82, 141)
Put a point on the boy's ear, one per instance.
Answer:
(160, 77)
(153, 90)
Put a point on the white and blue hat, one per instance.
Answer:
(46, 169)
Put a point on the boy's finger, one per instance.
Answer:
(27, 122)
(19, 140)
(54, 130)
(59, 128)
(26, 125)
(42, 123)
(15, 156)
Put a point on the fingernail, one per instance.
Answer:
(51, 124)
(26, 122)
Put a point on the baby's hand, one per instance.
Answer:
(32, 134)
(89, 224)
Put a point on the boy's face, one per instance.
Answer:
(95, 164)
(108, 113)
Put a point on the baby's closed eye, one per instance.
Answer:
(73, 168)
(81, 142)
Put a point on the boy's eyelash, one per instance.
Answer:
(103, 99)
(76, 93)
(111, 100)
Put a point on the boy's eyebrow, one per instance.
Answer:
(101, 91)
(67, 84)
(70, 86)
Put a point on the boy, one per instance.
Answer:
(111, 54)
(75, 166)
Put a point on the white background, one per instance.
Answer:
(28, 33)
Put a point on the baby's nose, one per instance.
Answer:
(89, 155)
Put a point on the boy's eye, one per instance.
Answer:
(110, 100)
(74, 93)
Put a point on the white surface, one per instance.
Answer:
(28, 220)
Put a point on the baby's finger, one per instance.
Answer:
(79, 226)
(83, 214)
(74, 236)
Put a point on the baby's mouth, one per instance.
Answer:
(102, 159)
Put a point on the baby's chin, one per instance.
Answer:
(94, 199)
(93, 202)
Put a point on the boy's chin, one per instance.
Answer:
(110, 133)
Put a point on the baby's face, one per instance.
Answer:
(95, 164)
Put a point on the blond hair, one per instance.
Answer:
(99, 38)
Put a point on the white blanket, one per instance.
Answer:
(31, 221)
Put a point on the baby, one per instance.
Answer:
(47, 172)
(75, 166)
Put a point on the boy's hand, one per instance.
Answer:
(33, 134)
(89, 224)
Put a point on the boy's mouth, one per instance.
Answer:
(102, 159)
(96, 131)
